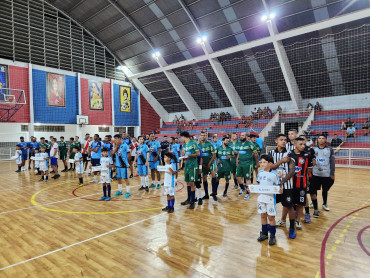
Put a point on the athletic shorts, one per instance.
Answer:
(79, 168)
(233, 167)
(105, 179)
(270, 209)
(30, 155)
(153, 165)
(53, 161)
(24, 156)
(286, 199)
(44, 166)
(191, 174)
(84, 157)
(122, 173)
(244, 171)
(169, 190)
(175, 167)
(350, 135)
(205, 171)
(95, 162)
(299, 196)
(72, 155)
(224, 174)
(132, 158)
(316, 182)
(142, 170)
(63, 155)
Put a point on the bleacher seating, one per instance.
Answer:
(330, 121)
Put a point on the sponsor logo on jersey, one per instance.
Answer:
(301, 161)
(302, 192)
(298, 169)
(321, 159)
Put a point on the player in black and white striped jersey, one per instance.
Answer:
(281, 165)
(292, 135)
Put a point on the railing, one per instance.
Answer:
(6, 153)
(348, 157)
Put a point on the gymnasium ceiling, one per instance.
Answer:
(131, 28)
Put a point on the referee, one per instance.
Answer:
(281, 165)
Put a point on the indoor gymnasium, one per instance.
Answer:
(185, 138)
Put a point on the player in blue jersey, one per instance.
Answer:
(126, 139)
(155, 157)
(175, 150)
(24, 147)
(142, 162)
(95, 150)
(33, 144)
(123, 156)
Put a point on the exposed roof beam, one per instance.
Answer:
(95, 14)
(227, 85)
(74, 6)
(365, 13)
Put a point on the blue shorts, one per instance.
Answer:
(153, 165)
(95, 161)
(142, 170)
(24, 156)
(175, 167)
(53, 161)
(122, 173)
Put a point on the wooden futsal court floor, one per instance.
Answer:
(46, 231)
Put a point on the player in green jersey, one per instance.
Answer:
(73, 143)
(209, 165)
(190, 151)
(233, 144)
(247, 155)
(253, 140)
(63, 150)
(224, 153)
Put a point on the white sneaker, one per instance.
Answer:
(241, 192)
(311, 205)
(298, 225)
(92, 181)
(325, 207)
(281, 223)
(246, 197)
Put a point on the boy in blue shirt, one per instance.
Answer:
(24, 147)
(95, 149)
(142, 162)
(155, 157)
(175, 150)
(123, 156)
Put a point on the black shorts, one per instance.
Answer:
(350, 135)
(30, 155)
(317, 182)
(84, 157)
(95, 161)
(299, 196)
(132, 158)
(286, 199)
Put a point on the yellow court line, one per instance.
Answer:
(33, 201)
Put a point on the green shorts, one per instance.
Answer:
(233, 167)
(244, 171)
(63, 155)
(224, 174)
(72, 155)
(205, 171)
(191, 174)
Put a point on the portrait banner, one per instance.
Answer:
(96, 95)
(55, 90)
(4, 81)
(125, 99)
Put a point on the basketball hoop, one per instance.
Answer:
(11, 100)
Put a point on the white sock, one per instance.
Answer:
(199, 192)
(128, 188)
(142, 181)
(95, 178)
(158, 182)
(146, 181)
(120, 187)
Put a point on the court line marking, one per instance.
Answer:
(359, 239)
(80, 242)
(323, 244)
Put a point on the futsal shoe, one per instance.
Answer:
(307, 218)
(52, 172)
(171, 210)
(298, 225)
(272, 240)
(214, 197)
(325, 207)
(80, 184)
(166, 208)
(152, 185)
(246, 197)
(262, 237)
(142, 188)
(158, 186)
(64, 170)
(131, 176)
(107, 199)
(102, 198)
(192, 206)
(18, 171)
(146, 188)
(292, 233)
(41, 179)
(92, 181)
(185, 203)
(225, 194)
(241, 192)
(316, 213)
(118, 193)
(205, 197)
(200, 202)
(281, 223)
(127, 195)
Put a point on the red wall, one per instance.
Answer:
(18, 79)
(97, 117)
(149, 118)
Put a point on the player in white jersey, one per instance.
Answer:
(78, 157)
(44, 164)
(18, 155)
(37, 162)
(267, 202)
(292, 135)
(169, 182)
(105, 163)
(281, 165)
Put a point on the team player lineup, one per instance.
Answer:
(297, 169)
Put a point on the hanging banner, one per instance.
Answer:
(125, 99)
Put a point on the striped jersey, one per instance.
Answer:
(284, 167)
(290, 146)
(302, 161)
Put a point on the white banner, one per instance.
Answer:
(96, 169)
(37, 158)
(268, 189)
(161, 168)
